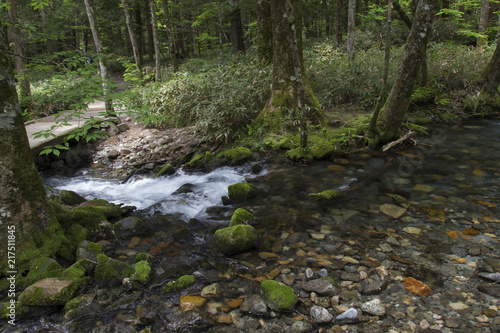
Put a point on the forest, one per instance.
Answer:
(348, 208)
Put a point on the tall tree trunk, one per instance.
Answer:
(491, 76)
(27, 221)
(387, 58)
(102, 62)
(156, 40)
(287, 30)
(133, 39)
(170, 36)
(138, 27)
(395, 109)
(17, 40)
(236, 28)
(149, 29)
(338, 24)
(265, 31)
(482, 41)
(351, 25)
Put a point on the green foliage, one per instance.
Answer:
(218, 98)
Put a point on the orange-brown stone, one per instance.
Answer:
(188, 303)
(471, 232)
(416, 287)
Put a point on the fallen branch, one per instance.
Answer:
(398, 141)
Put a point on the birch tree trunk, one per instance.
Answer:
(156, 40)
(483, 24)
(394, 111)
(133, 39)
(170, 36)
(102, 62)
(351, 26)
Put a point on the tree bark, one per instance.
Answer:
(265, 31)
(17, 40)
(402, 14)
(394, 111)
(170, 36)
(102, 62)
(287, 26)
(351, 25)
(133, 39)
(338, 24)
(491, 76)
(27, 219)
(156, 40)
(483, 24)
(236, 28)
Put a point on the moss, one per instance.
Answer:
(240, 216)
(278, 295)
(330, 279)
(110, 271)
(41, 268)
(35, 296)
(76, 234)
(234, 156)
(168, 170)
(421, 120)
(241, 191)
(142, 256)
(75, 271)
(234, 239)
(200, 160)
(181, 283)
(141, 272)
(327, 195)
(71, 198)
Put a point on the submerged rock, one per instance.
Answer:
(49, 292)
(111, 272)
(241, 191)
(278, 295)
(240, 216)
(130, 226)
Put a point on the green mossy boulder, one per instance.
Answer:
(167, 170)
(141, 272)
(42, 268)
(87, 254)
(240, 216)
(71, 198)
(143, 256)
(179, 284)
(50, 292)
(200, 161)
(240, 192)
(75, 271)
(235, 156)
(75, 235)
(111, 272)
(238, 238)
(300, 155)
(278, 296)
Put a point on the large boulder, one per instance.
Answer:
(240, 216)
(49, 292)
(130, 226)
(42, 268)
(234, 239)
(240, 192)
(71, 198)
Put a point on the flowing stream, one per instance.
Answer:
(446, 184)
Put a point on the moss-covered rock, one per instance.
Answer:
(200, 161)
(141, 272)
(49, 292)
(179, 284)
(278, 296)
(110, 271)
(240, 192)
(240, 216)
(143, 256)
(238, 238)
(71, 198)
(234, 156)
(327, 195)
(130, 226)
(75, 271)
(167, 170)
(75, 234)
(87, 254)
(42, 268)
(300, 155)
(256, 168)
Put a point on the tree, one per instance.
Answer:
(491, 76)
(394, 111)
(482, 40)
(17, 41)
(100, 51)
(287, 32)
(236, 27)
(156, 40)
(27, 219)
(133, 39)
(170, 36)
(265, 31)
(338, 24)
(351, 25)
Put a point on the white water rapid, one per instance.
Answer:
(188, 194)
